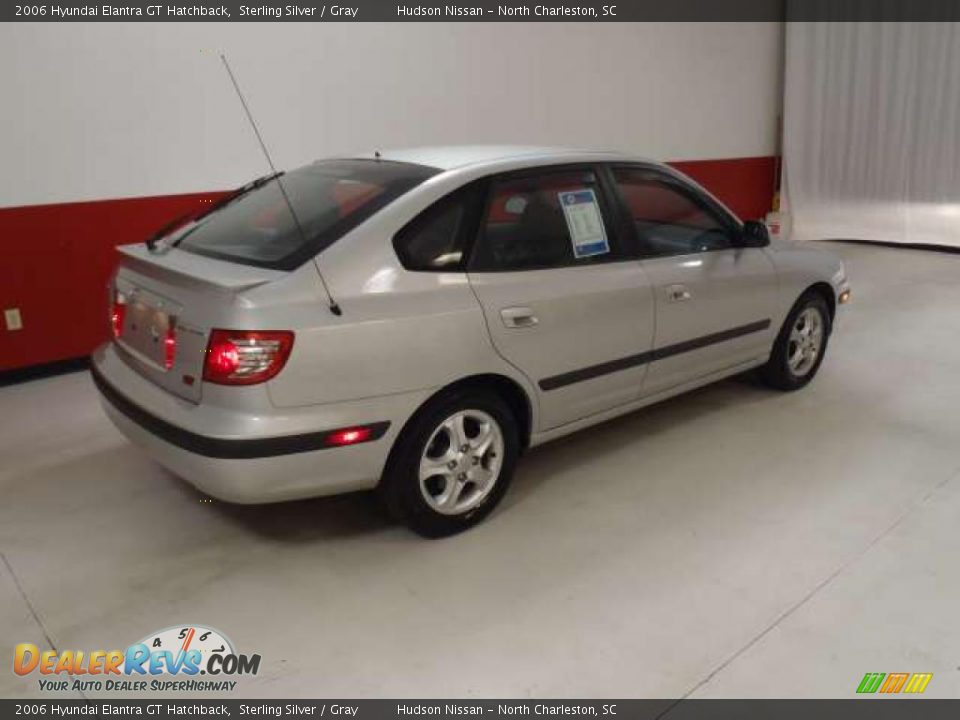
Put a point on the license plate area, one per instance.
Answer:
(149, 329)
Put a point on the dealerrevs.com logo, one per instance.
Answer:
(186, 658)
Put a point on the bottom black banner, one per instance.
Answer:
(855, 709)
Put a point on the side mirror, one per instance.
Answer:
(754, 234)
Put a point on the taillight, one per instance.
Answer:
(170, 346)
(118, 310)
(244, 357)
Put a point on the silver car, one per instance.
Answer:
(412, 321)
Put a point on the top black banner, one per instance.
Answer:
(485, 11)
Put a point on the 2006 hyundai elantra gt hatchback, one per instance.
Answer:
(423, 316)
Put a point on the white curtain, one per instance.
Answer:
(871, 139)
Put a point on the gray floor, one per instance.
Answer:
(734, 542)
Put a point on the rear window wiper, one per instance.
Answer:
(239, 192)
(152, 241)
(193, 216)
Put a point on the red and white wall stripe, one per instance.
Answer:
(111, 129)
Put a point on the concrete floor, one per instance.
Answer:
(735, 542)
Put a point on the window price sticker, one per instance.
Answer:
(584, 222)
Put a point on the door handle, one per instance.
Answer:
(518, 317)
(678, 293)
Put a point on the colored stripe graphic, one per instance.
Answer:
(918, 682)
(913, 683)
(894, 683)
(871, 682)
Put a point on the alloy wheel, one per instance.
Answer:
(461, 462)
(805, 342)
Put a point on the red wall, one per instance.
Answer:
(745, 185)
(57, 258)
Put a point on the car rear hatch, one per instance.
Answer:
(190, 282)
(168, 302)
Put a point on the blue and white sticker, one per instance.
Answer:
(582, 212)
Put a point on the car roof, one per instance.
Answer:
(452, 157)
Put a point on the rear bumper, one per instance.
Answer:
(226, 448)
(250, 468)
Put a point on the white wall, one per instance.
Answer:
(113, 110)
(872, 143)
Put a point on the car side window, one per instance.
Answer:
(669, 219)
(553, 219)
(435, 240)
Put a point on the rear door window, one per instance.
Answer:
(552, 219)
(330, 199)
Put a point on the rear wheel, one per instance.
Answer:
(800, 346)
(452, 464)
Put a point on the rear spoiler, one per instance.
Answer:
(191, 270)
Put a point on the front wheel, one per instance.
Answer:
(800, 346)
(452, 464)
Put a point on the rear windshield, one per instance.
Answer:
(330, 198)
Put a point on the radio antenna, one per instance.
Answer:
(332, 304)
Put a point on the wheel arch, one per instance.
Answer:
(507, 388)
(825, 290)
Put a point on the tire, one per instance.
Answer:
(466, 486)
(790, 366)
